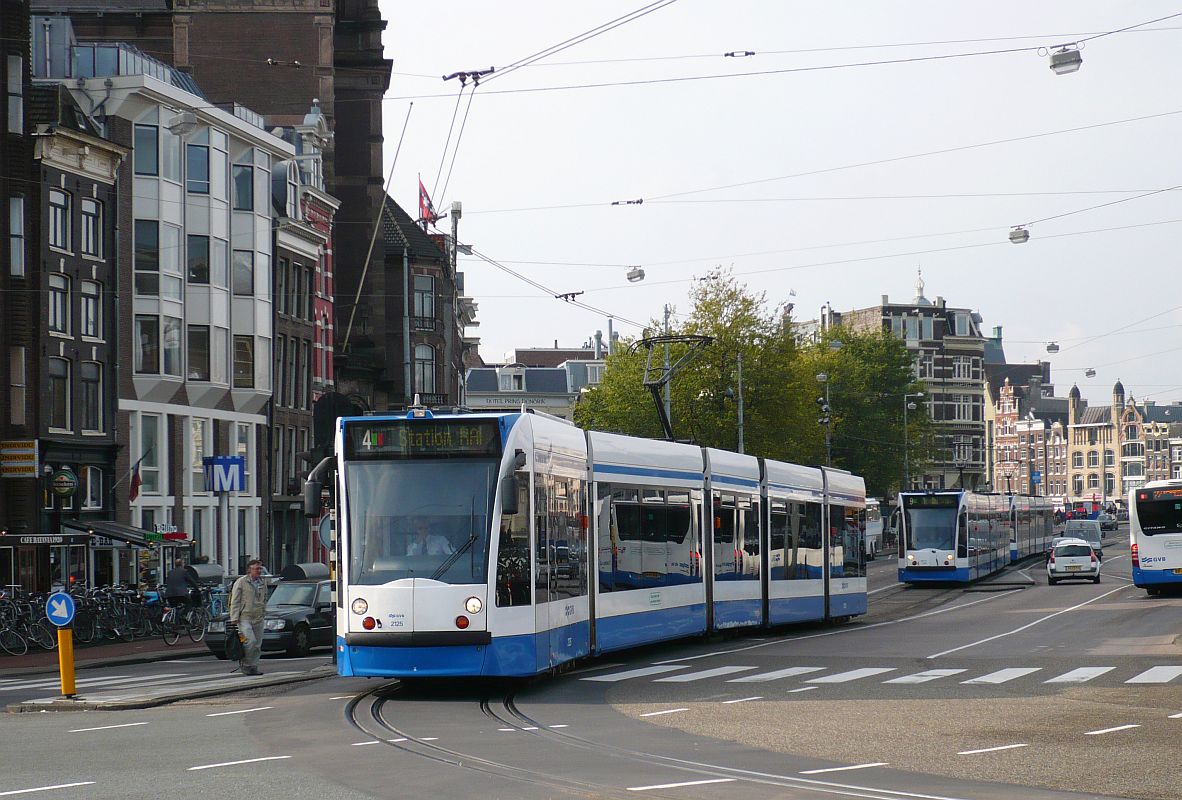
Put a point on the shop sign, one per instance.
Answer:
(64, 482)
(18, 458)
(52, 539)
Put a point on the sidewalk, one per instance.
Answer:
(106, 654)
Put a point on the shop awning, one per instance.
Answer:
(112, 530)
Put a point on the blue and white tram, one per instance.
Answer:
(952, 536)
(1032, 525)
(509, 544)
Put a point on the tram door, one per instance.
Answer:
(543, 571)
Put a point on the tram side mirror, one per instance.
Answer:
(312, 500)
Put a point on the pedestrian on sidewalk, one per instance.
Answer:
(181, 585)
(248, 603)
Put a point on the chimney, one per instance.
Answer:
(599, 344)
(997, 332)
(555, 344)
(886, 301)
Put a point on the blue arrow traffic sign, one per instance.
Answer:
(59, 608)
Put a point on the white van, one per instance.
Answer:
(1089, 530)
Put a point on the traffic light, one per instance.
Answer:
(823, 406)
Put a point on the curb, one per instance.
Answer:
(150, 702)
(113, 661)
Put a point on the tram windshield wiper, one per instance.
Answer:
(446, 565)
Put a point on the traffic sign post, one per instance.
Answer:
(59, 609)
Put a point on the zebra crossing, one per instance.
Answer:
(810, 675)
(119, 688)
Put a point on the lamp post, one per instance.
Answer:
(907, 405)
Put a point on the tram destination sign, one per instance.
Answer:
(932, 501)
(422, 438)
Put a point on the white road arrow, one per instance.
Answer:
(58, 608)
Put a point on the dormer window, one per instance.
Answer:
(511, 378)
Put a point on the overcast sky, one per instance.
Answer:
(537, 171)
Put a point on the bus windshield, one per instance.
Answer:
(1160, 516)
(931, 527)
(419, 519)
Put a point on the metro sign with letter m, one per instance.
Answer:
(224, 474)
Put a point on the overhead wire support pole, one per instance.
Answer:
(657, 383)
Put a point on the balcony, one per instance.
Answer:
(424, 324)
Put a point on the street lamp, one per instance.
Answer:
(907, 406)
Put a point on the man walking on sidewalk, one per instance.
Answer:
(248, 603)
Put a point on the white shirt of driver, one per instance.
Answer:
(435, 545)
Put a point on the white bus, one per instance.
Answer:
(1155, 533)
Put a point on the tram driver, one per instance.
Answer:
(423, 542)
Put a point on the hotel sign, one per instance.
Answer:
(18, 459)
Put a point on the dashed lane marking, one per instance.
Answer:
(1111, 730)
(991, 749)
(740, 700)
(843, 769)
(236, 763)
(13, 792)
(666, 711)
(107, 727)
(679, 785)
(240, 711)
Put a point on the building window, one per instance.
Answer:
(1109, 458)
(309, 293)
(1093, 458)
(242, 448)
(92, 477)
(91, 374)
(92, 313)
(281, 288)
(1077, 485)
(150, 454)
(59, 219)
(16, 235)
(59, 304)
(425, 300)
(306, 376)
(147, 257)
(278, 377)
(1077, 460)
(1131, 432)
(962, 367)
(172, 157)
(172, 346)
(198, 352)
(16, 386)
(147, 150)
(242, 178)
(147, 344)
(594, 374)
(197, 257)
(243, 362)
(243, 273)
(92, 228)
(16, 92)
(424, 369)
(962, 324)
(199, 443)
(1093, 481)
(197, 168)
(59, 393)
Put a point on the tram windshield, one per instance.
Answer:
(419, 519)
(931, 522)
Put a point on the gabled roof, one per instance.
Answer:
(1096, 415)
(53, 105)
(400, 232)
(1166, 413)
(549, 380)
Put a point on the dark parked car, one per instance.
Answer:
(300, 616)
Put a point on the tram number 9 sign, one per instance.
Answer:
(421, 438)
(932, 501)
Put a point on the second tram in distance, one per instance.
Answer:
(956, 536)
(509, 544)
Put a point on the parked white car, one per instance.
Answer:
(1073, 559)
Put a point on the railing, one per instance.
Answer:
(424, 324)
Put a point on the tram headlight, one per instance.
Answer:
(360, 606)
(473, 605)
(911, 556)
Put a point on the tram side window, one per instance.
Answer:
(962, 534)
(726, 552)
(683, 563)
(513, 587)
(642, 551)
(747, 546)
(780, 556)
(853, 541)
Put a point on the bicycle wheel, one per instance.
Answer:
(13, 643)
(171, 633)
(198, 622)
(84, 628)
(42, 636)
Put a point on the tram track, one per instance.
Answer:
(368, 713)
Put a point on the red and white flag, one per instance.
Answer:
(136, 481)
(427, 213)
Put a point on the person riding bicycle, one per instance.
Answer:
(181, 587)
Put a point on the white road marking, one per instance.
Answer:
(241, 711)
(1111, 730)
(679, 785)
(843, 769)
(1002, 675)
(803, 689)
(991, 749)
(107, 727)
(559, 726)
(775, 675)
(396, 741)
(597, 668)
(507, 730)
(342, 697)
(363, 744)
(1080, 675)
(236, 763)
(1028, 624)
(1174, 716)
(852, 675)
(47, 683)
(686, 677)
(1156, 675)
(884, 588)
(740, 700)
(635, 673)
(926, 675)
(46, 788)
(429, 739)
(667, 711)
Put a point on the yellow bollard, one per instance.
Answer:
(65, 660)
